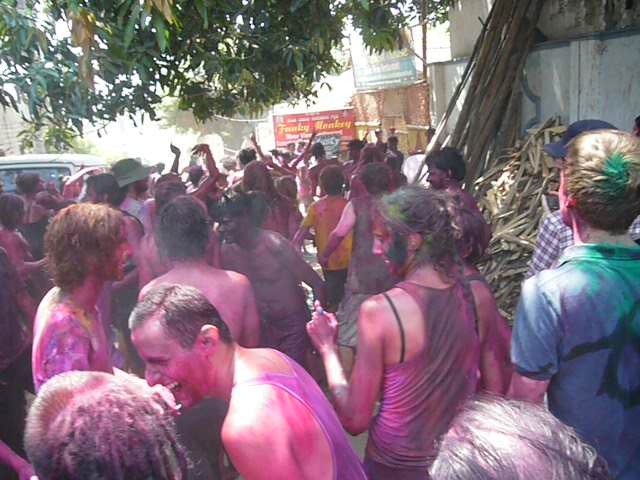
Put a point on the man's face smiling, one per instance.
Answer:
(181, 370)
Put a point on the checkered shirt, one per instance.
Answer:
(554, 237)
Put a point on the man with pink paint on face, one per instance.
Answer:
(279, 423)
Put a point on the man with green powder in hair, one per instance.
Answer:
(577, 330)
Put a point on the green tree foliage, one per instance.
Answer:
(221, 57)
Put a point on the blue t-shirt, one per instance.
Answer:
(578, 326)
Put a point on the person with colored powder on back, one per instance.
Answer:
(182, 235)
(367, 275)
(417, 347)
(279, 424)
(575, 336)
(323, 216)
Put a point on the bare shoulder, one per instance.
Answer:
(245, 420)
(374, 312)
(482, 294)
(149, 286)
(236, 280)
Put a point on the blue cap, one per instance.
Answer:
(559, 149)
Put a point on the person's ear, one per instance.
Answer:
(208, 339)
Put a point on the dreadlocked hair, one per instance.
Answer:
(91, 425)
(431, 214)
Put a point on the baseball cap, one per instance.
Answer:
(559, 149)
(129, 170)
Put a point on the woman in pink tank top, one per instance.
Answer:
(417, 345)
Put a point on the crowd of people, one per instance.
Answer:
(175, 326)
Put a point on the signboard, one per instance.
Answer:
(334, 129)
(376, 71)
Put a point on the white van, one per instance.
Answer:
(51, 167)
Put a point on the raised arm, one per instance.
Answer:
(307, 150)
(176, 159)
(353, 399)
(210, 184)
(256, 146)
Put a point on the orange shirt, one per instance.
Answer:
(323, 216)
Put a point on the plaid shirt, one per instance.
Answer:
(554, 237)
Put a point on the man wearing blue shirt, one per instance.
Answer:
(577, 330)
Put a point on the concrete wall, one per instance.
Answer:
(596, 76)
(562, 18)
(559, 20)
(465, 25)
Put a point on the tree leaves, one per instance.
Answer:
(217, 57)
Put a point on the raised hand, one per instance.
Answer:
(322, 329)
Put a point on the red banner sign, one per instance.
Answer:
(334, 128)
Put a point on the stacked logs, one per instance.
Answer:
(511, 193)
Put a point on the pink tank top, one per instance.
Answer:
(300, 385)
(421, 395)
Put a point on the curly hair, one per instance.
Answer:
(93, 425)
(427, 212)
(81, 238)
(182, 231)
(11, 210)
(602, 174)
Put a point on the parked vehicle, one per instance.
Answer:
(51, 167)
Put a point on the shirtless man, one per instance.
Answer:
(182, 235)
(279, 424)
(275, 270)
(86, 246)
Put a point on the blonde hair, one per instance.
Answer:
(602, 174)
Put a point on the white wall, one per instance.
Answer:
(464, 18)
(593, 77)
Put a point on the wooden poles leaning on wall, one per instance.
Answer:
(489, 118)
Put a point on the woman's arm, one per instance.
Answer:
(355, 399)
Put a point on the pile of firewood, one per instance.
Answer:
(511, 194)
